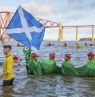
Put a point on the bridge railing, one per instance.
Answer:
(5, 17)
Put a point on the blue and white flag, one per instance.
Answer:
(25, 29)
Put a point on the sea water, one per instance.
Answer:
(51, 85)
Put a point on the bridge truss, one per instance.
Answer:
(5, 17)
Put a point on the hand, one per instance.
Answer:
(3, 74)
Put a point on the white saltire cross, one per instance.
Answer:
(25, 29)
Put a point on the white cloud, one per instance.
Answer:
(69, 12)
(37, 9)
(11, 9)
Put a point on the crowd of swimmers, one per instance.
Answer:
(39, 67)
(77, 45)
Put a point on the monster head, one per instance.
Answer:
(27, 53)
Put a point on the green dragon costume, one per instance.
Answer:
(68, 69)
(33, 67)
(38, 67)
(87, 70)
(49, 67)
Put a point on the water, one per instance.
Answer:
(52, 85)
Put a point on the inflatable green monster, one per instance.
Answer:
(32, 65)
(37, 67)
(67, 67)
(49, 66)
(88, 70)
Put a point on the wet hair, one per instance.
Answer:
(7, 46)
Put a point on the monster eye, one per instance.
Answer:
(26, 48)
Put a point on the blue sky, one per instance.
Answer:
(68, 12)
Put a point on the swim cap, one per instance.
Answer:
(52, 55)
(34, 55)
(91, 54)
(68, 55)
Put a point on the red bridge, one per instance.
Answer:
(5, 17)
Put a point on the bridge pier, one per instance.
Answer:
(61, 34)
(5, 17)
(76, 33)
(92, 34)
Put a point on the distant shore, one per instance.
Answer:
(86, 39)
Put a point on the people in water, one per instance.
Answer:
(85, 45)
(91, 44)
(37, 63)
(35, 56)
(65, 45)
(49, 66)
(33, 65)
(91, 56)
(8, 72)
(88, 70)
(39, 67)
(68, 68)
(50, 44)
(77, 45)
(19, 45)
(7, 66)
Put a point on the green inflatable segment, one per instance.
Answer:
(33, 66)
(48, 67)
(36, 67)
(39, 67)
(68, 69)
(87, 70)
